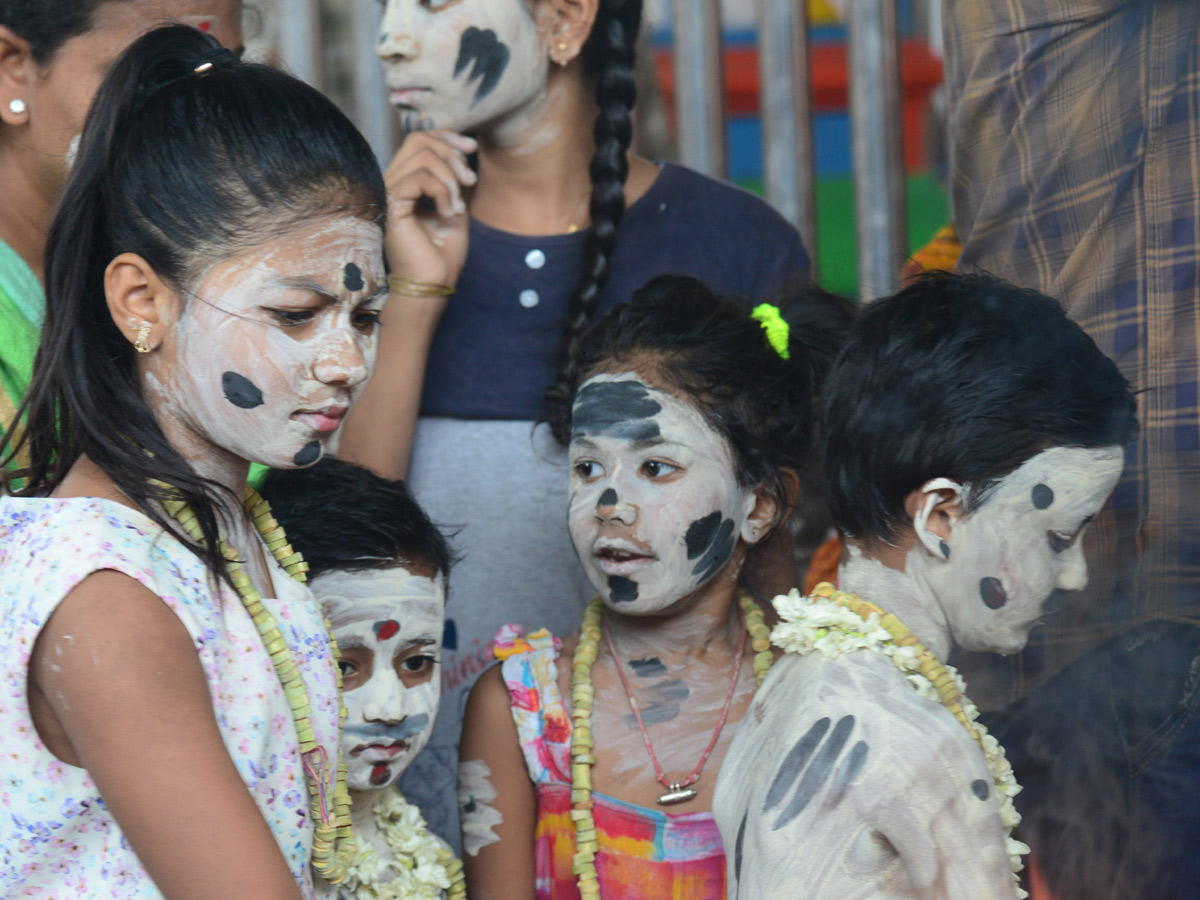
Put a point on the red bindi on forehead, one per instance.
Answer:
(386, 629)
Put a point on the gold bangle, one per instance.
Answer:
(411, 287)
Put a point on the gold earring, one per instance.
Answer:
(141, 343)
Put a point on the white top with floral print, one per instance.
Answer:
(57, 837)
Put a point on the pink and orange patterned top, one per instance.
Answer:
(644, 853)
(57, 837)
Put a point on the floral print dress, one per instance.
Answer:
(57, 837)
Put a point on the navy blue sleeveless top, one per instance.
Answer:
(495, 350)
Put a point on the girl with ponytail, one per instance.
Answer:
(689, 418)
(523, 107)
(214, 275)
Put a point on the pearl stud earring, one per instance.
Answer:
(16, 107)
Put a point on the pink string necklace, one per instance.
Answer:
(679, 791)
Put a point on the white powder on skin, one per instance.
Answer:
(475, 792)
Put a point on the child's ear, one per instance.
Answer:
(770, 509)
(935, 507)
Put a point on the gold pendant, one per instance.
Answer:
(676, 794)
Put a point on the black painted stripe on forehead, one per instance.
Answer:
(621, 409)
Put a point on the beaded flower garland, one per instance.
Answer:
(582, 758)
(834, 623)
(420, 867)
(333, 841)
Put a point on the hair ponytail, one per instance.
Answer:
(608, 57)
(188, 157)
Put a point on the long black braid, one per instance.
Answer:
(608, 58)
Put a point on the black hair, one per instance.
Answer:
(608, 58)
(707, 347)
(343, 517)
(963, 377)
(184, 169)
(48, 24)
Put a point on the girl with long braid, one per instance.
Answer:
(564, 223)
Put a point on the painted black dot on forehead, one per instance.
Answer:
(621, 409)
(241, 391)
(308, 454)
(352, 278)
(1042, 496)
(486, 55)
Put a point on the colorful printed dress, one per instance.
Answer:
(57, 837)
(644, 853)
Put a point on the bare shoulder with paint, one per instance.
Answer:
(884, 791)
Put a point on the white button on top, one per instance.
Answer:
(535, 259)
(529, 299)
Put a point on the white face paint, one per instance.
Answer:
(388, 625)
(273, 346)
(461, 65)
(655, 505)
(1009, 556)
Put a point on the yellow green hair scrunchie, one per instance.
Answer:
(777, 329)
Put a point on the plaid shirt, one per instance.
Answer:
(1075, 129)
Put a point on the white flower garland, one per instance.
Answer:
(818, 624)
(420, 867)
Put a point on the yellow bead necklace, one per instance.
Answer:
(333, 842)
(582, 758)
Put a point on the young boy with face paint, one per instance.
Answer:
(971, 433)
(687, 422)
(53, 54)
(214, 276)
(559, 221)
(378, 567)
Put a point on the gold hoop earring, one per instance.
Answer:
(141, 343)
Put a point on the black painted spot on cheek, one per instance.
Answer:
(712, 539)
(622, 589)
(308, 454)
(487, 57)
(1042, 496)
(622, 409)
(352, 278)
(992, 592)
(241, 391)
(980, 788)
(608, 498)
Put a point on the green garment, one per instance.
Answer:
(22, 305)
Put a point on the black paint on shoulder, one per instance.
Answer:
(608, 498)
(308, 454)
(993, 593)
(352, 278)
(848, 770)
(1042, 496)
(241, 391)
(719, 549)
(486, 55)
(737, 849)
(622, 589)
(622, 409)
(818, 771)
(794, 763)
(981, 789)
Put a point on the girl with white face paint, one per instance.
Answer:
(378, 568)
(972, 432)
(520, 113)
(214, 277)
(687, 425)
(57, 52)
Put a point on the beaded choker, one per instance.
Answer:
(582, 758)
(333, 842)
